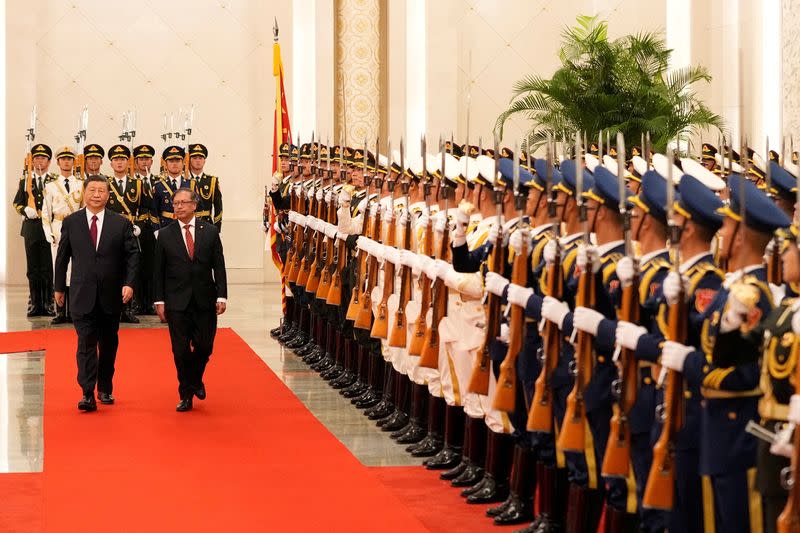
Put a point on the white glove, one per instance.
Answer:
(301, 220)
(311, 222)
(794, 409)
(344, 198)
(769, 251)
(494, 232)
(673, 355)
(273, 187)
(783, 442)
(329, 195)
(672, 287)
(276, 227)
(439, 222)
(342, 236)
(319, 195)
(628, 334)
(430, 268)
(495, 283)
(30, 212)
(292, 216)
(587, 320)
(343, 213)
(49, 238)
(362, 243)
(422, 221)
(518, 238)
(407, 258)
(734, 315)
(625, 271)
(378, 251)
(136, 230)
(391, 254)
(330, 231)
(549, 251)
(387, 215)
(402, 217)
(442, 268)
(420, 262)
(587, 253)
(504, 330)
(519, 295)
(462, 220)
(452, 279)
(554, 310)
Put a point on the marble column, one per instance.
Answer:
(790, 44)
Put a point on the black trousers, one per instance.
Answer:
(192, 333)
(39, 263)
(97, 349)
(144, 291)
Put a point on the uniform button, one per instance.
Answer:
(601, 359)
(732, 415)
(648, 380)
(705, 369)
(687, 394)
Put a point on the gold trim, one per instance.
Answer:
(709, 522)
(756, 516)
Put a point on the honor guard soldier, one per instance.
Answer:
(161, 208)
(206, 186)
(143, 161)
(728, 375)
(62, 196)
(130, 198)
(28, 203)
(93, 158)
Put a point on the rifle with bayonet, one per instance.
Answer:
(479, 381)
(505, 394)
(364, 318)
(315, 270)
(399, 331)
(540, 416)
(660, 489)
(421, 323)
(774, 271)
(617, 459)
(80, 140)
(306, 257)
(295, 204)
(380, 327)
(429, 358)
(354, 307)
(27, 165)
(335, 292)
(330, 242)
(573, 429)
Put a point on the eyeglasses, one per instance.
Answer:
(180, 203)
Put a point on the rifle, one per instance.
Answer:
(27, 165)
(165, 133)
(364, 318)
(354, 308)
(80, 140)
(296, 206)
(506, 392)
(573, 429)
(617, 459)
(421, 323)
(439, 292)
(540, 417)
(335, 292)
(479, 381)
(774, 271)
(325, 280)
(660, 488)
(306, 258)
(380, 327)
(315, 270)
(399, 334)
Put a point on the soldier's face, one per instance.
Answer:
(284, 165)
(65, 164)
(93, 163)
(790, 259)
(710, 164)
(174, 166)
(119, 164)
(40, 163)
(196, 163)
(96, 195)
(143, 164)
(357, 177)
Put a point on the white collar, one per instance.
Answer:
(603, 249)
(539, 229)
(569, 238)
(99, 215)
(191, 223)
(692, 261)
(648, 256)
(510, 224)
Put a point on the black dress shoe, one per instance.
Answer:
(398, 420)
(355, 392)
(455, 471)
(427, 447)
(499, 509)
(201, 392)
(60, 318)
(105, 398)
(469, 477)
(413, 435)
(517, 511)
(184, 405)
(492, 491)
(87, 404)
(380, 410)
(275, 332)
(128, 318)
(445, 459)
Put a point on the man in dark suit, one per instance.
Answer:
(190, 290)
(105, 259)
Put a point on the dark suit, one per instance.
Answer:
(96, 290)
(189, 290)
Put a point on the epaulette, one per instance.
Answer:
(697, 272)
(761, 285)
(569, 257)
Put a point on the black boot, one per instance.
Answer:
(339, 354)
(474, 472)
(397, 380)
(498, 470)
(34, 297)
(459, 469)
(303, 333)
(48, 304)
(311, 352)
(584, 508)
(385, 405)
(295, 325)
(433, 441)
(348, 378)
(354, 366)
(418, 423)
(450, 454)
(286, 321)
(518, 507)
(370, 391)
(399, 418)
(620, 522)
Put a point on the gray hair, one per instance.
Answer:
(192, 193)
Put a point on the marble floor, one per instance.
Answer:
(252, 311)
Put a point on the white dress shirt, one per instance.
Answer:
(123, 180)
(100, 216)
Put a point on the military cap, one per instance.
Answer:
(347, 155)
(727, 151)
(709, 152)
(488, 152)
(65, 151)
(93, 150)
(144, 150)
(198, 149)
(42, 149)
(295, 151)
(396, 164)
(592, 161)
(697, 202)
(486, 175)
(507, 174)
(783, 182)
(119, 150)
(605, 189)
(761, 214)
(635, 150)
(640, 167)
(323, 152)
(453, 149)
(539, 180)
(506, 153)
(360, 160)
(594, 149)
(612, 151)
(652, 197)
(472, 150)
(452, 168)
(469, 169)
(285, 149)
(173, 152)
(305, 151)
(774, 156)
(661, 165)
(724, 162)
(569, 178)
(702, 174)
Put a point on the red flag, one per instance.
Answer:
(281, 133)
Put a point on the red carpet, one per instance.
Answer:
(435, 503)
(250, 458)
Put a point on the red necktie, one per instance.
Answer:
(93, 231)
(189, 242)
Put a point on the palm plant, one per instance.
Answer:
(620, 85)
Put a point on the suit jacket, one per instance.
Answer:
(96, 274)
(180, 281)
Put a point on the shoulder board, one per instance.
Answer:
(762, 286)
(611, 258)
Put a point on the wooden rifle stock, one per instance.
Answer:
(380, 327)
(573, 429)
(364, 318)
(540, 416)
(307, 257)
(421, 324)
(315, 270)
(335, 293)
(774, 271)
(617, 459)
(399, 331)
(789, 519)
(328, 266)
(27, 170)
(506, 392)
(298, 241)
(354, 307)
(660, 488)
(430, 344)
(294, 205)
